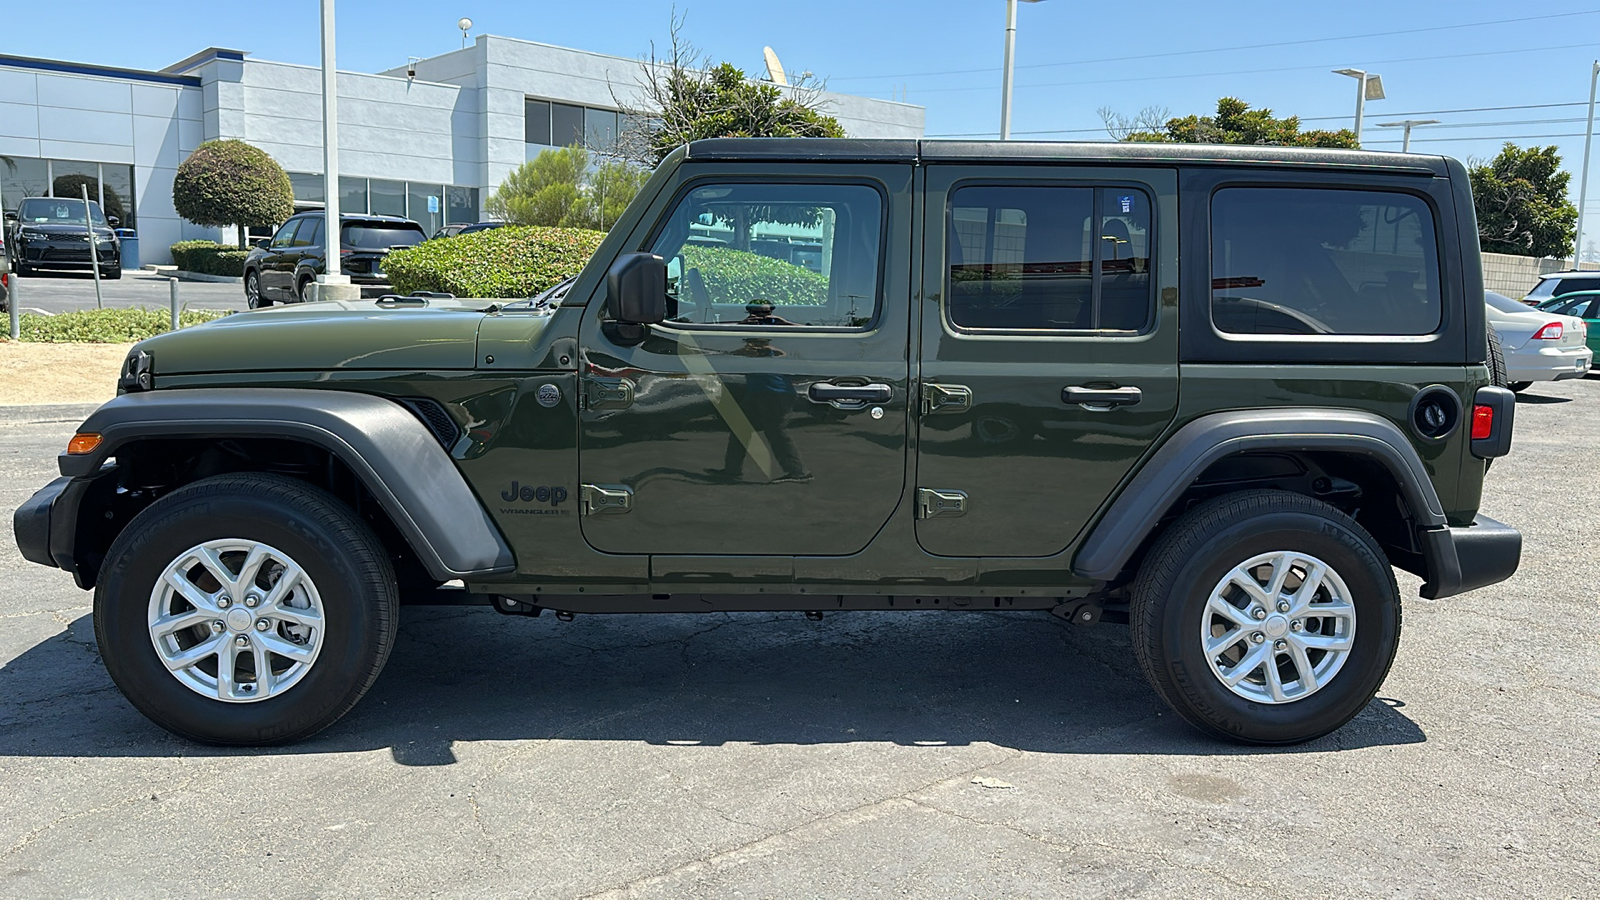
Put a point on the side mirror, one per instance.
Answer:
(114, 221)
(11, 216)
(261, 243)
(636, 289)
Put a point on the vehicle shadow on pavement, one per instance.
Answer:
(938, 678)
(1526, 397)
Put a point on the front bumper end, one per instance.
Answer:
(31, 522)
(1465, 559)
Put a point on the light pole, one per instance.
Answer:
(1005, 77)
(1408, 124)
(332, 285)
(1368, 87)
(1583, 183)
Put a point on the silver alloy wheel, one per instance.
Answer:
(1278, 627)
(252, 289)
(236, 620)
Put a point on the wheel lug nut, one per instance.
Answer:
(1296, 625)
(1283, 606)
(262, 624)
(223, 603)
(251, 601)
(217, 626)
(1257, 638)
(241, 641)
(1258, 613)
(1280, 645)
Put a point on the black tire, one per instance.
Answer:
(20, 269)
(1520, 386)
(339, 553)
(303, 287)
(1497, 359)
(252, 290)
(1174, 584)
(112, 274)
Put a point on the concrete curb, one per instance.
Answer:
(196, 276)
(36, 413)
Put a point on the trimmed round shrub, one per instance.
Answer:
(731, 273)
(501, 262)
(229, 182)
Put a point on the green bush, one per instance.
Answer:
(209, 258)
(501, 262)
(107, 326)
(736, 275)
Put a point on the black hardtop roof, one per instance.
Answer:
(904, 150)
(348, 218)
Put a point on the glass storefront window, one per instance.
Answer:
(566, 125)
(117, 183)
(463, 205)
(352, 195)
(388, 198)
(20, 177)
(600, 130)
(537, 127)
(307, 188)
(425, 205)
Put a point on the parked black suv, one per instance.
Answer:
(280, 270)
(50, 233)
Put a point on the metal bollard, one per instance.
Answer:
(16, 309)
(172, 285)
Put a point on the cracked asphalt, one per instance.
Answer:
(929, 754)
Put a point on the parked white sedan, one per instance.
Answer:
(1539, 346)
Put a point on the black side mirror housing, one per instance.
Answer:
(113, 221)
(261, 243)
(636, 289)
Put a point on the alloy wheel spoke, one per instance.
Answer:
(1222, 642)
(1245, 667)
(284, 587)
(1248, 583)
(1282, 565)
(1228, 611)
(1304, 671)
(1308, 588)
(295, 616)
(212, 560)
(200, 652)
(1274, 681)
(287, 649)
(168, 624)
(227, 658)
(263, 669)
(249, 569)
(1330, 642)
(189, 591)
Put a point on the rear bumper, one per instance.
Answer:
(1464, 559)
(1549, 363)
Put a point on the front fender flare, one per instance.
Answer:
(1194, 447)
(389, 449)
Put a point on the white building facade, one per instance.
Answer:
(429, 141)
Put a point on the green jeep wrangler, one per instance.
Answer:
(1214, 393)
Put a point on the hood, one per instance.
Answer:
(443, 334)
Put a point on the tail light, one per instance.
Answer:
(1550, 332)
(1482, 422)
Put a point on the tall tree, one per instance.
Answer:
(683, 97)
(229, 182)
(1522, 205)
(558, 188)
(1234, 123)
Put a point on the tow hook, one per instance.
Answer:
(1079, 612)
(512, 607)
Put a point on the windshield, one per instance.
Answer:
(56, 211)
(382, 236)
(1503, 303)
(550, 297)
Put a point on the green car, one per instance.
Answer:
(1584, 305)
(827, 376)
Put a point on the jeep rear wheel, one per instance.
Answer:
(245, 609)
(1245, 617)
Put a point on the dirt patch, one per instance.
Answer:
(59, 373)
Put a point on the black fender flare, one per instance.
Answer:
(389, 449)
(1191, 449)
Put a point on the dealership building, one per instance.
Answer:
(429, 140)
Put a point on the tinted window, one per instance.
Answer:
(566, 125)
(310, 233)
(1063, 258)
(381, 236)
(1576, 307)
(285, 235)
(770, 255)
(63, 211)
(1322, 261)
(1568, 285)
(537, 125)
(1503, 303)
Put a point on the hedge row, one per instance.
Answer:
(501, 262)
(209, 258)
(734, 276)
(107, 326)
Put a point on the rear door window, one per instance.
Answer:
(1322, 261)
(381, 236)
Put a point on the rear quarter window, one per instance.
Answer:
(1323, 261)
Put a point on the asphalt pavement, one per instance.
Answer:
(57, 292)
(936, 754)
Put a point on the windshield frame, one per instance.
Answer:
(94, 210)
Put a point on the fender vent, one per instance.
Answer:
(438, 421)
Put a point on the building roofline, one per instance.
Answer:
(72, 68)
(204, 56)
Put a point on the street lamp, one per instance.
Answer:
(1408, 124)
(1368, 87)
(1005, 78)
(465, 24)
(1583, 185)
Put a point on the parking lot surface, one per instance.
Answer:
(932, 754)
(57, 292)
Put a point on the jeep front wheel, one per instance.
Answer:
(1266, 617)
(245, 609)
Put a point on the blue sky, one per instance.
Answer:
(1073, 57)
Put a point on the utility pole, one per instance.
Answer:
(1408, 124)
(1005, 75)
(1583, 183)
(1368, 87)
(333, 284)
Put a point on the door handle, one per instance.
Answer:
(849, 396)
(1100, 398)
